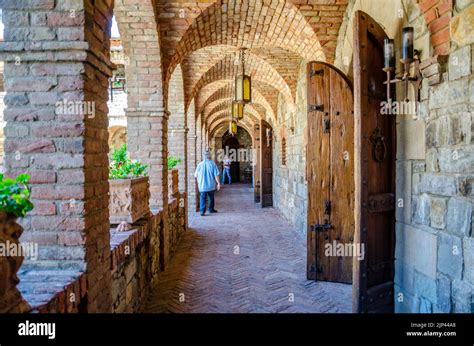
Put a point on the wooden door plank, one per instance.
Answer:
(342, 174)
(318, 167)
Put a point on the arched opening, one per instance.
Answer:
(177, 127)
(238, 148)
(231, 145)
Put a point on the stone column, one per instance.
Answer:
(147, 142)
(56, 80)
(178, 148)
(191, 157)
(192, 163)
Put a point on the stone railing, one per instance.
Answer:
(10, 297)
(135, 263)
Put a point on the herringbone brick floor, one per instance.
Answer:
(242, 259)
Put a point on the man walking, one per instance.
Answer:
(226, 171)
(207, 175)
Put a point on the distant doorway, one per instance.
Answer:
(231, 144)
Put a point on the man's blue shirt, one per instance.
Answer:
(206, 173)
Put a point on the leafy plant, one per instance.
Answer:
(122, 167)
(15, 195)
(173, 161)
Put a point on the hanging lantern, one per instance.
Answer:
(233, 127)
(237, 110)
(243, 83)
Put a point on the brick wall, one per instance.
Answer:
(192, 156)
(177, 137)
(437, 15)
(65, 154)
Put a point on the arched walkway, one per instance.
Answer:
(243, 259)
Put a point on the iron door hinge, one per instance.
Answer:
(320, 227)
(315, 108)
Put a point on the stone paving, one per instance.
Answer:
(244, 259)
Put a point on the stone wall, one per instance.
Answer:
(2, 125)
(135, 271)
(177, 127)
(290, 191)
(435, 244)
(117, 109)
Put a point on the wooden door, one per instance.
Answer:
(256, 164)
(330, 174)
(374, 172)
(266, 166)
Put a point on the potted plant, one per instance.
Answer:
(173, 177)
(14, 203)
(129, 188)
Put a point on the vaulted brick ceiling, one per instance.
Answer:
(204, 37)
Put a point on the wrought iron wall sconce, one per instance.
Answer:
(409, 56)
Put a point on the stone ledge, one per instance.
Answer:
(50, 290)
(123, 244)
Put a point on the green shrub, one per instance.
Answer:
(173, 162)
(122, 167)
(15, 195)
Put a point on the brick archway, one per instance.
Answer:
(256, 67)
(220, 15)
(147, 98)
(222, 90)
